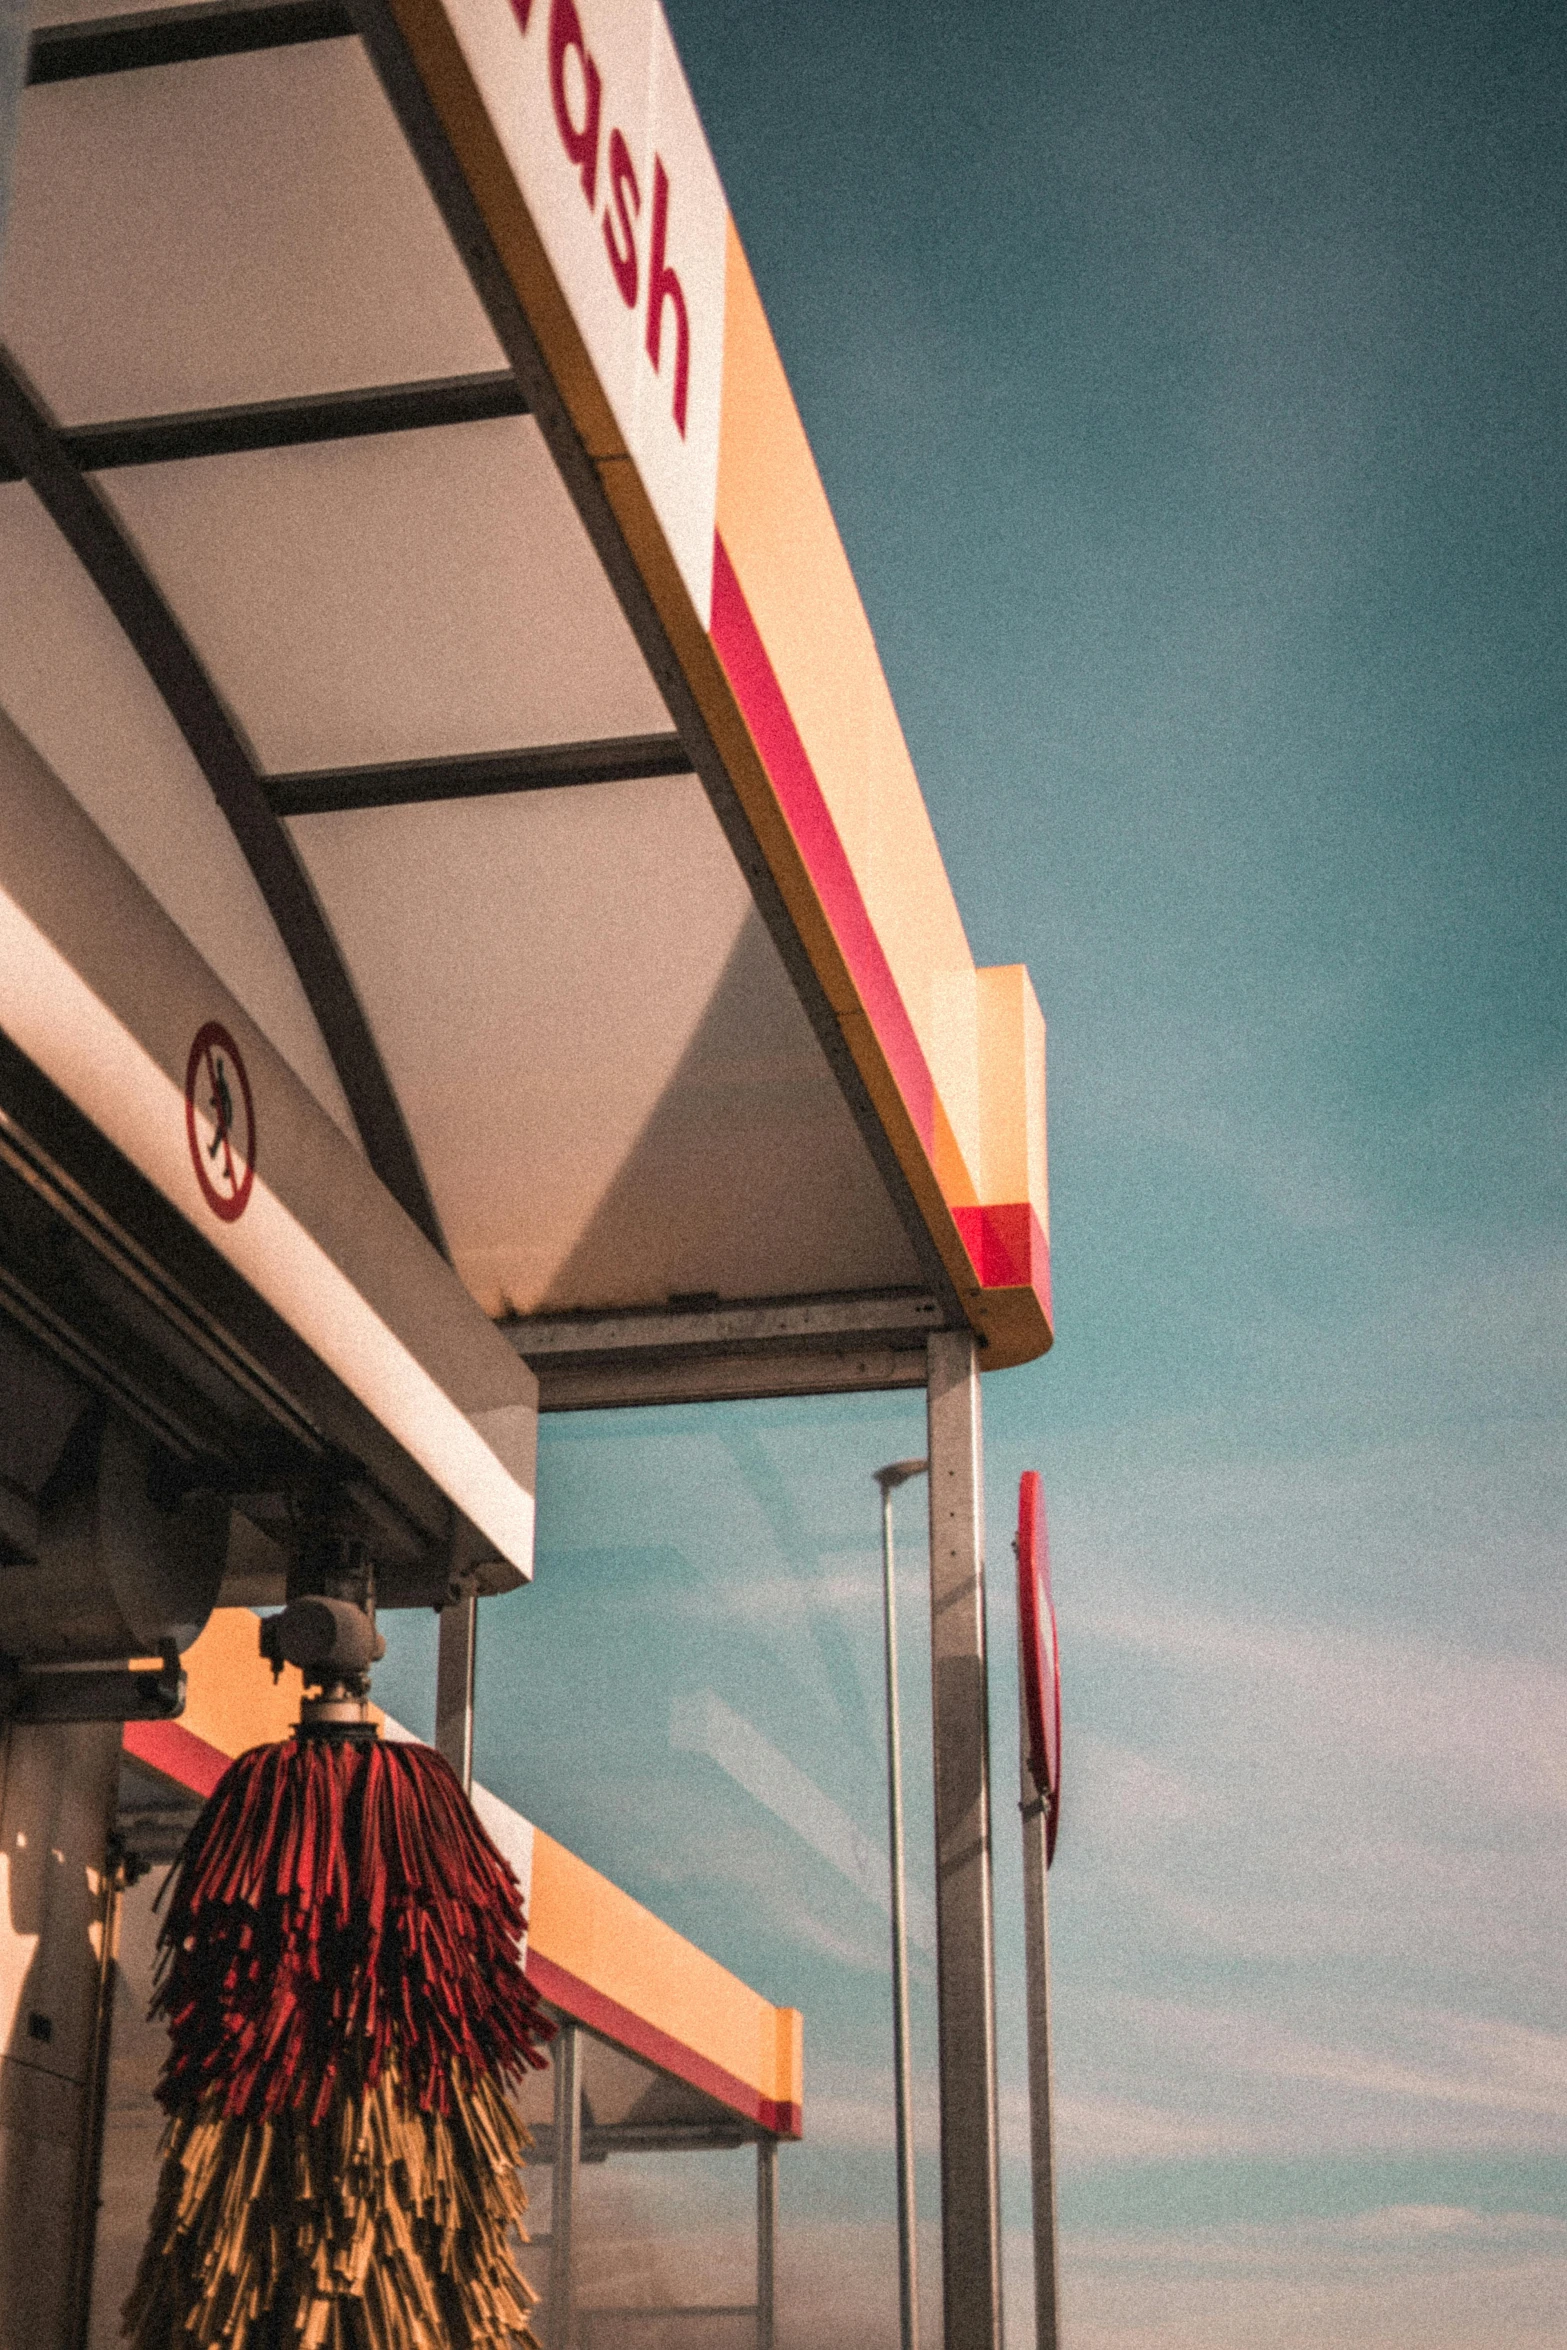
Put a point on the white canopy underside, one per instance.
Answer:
(607, 1076)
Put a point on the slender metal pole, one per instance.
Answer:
(965, 1923)
(454, 1672)
(567, 2055)
(908, 2256)
(1036, 1935)
(766, 2239)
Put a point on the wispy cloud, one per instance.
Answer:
(1243, 2081)
(1396, 2277)
(701, 1723)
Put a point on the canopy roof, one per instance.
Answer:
(461, 651)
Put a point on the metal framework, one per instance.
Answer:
(177, 36)
(287, 424)
(700, 1350)
(573, 2139)
(335, 791)
(255, 804)
(106, 554)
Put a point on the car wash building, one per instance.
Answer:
(471, 945)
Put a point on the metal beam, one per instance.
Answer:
(727, 1379)
(95, 537)
(455, 1657)
(288, 424)
(906, 1315)
(176, 36)
(337, 791)
(965, 1926)
(766, 2241)
(712, 1352)
(560, 2304)
(602, 2139)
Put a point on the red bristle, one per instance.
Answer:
(285, 1962)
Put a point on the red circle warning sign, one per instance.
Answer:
(220, 1121)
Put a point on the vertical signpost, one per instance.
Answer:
(965, 1921)
(1039, 1711)
(889, 1479)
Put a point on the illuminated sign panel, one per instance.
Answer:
(591, 107)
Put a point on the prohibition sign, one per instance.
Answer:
(216, 1080)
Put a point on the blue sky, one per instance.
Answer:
(1188, 383)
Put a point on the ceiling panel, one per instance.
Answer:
(406, 596)
(241, 228)
(70, 681)
(613, 1089)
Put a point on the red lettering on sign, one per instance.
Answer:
(581, 142)
(522, 10)
(663, 286)
(622, 250)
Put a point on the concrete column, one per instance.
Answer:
(454, 1670)
(965, 1930)
(566, 2051)
(766, 2239)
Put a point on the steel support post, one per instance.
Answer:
(889, 1479)
(454, 1667)
(566, 2052)
(965, 1930)
(766, 2239)
(1036, 1936)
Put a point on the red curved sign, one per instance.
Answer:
(1039, 1651)
(216, 1083)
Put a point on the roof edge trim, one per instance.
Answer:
(780, 2118)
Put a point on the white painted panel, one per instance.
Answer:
(512, 53)
(679, 465)
(591, 106)
(70, 681)
(240, 228)
(612, 1087)
(398, 597)
(109, 1000)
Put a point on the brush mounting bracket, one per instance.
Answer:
(92, 1693)
(327, 1628)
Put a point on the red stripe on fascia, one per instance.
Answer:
(604, 2015)
(178, 1753)
(739, 646)
(1007, 1247)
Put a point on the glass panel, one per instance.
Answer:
(690, 1697)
